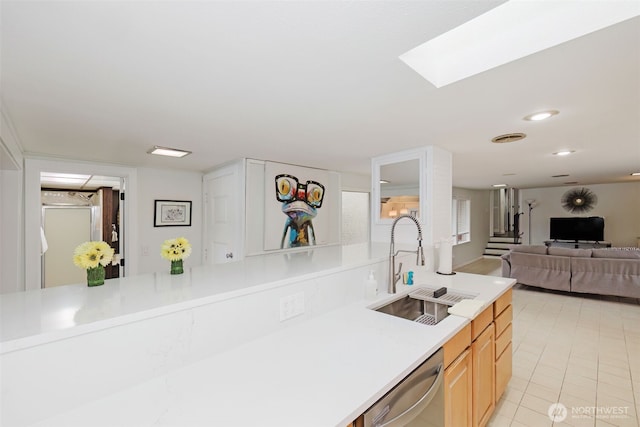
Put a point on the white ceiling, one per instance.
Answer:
(314, 83)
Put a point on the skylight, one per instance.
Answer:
(511, 31)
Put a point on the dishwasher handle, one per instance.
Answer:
(420, 404)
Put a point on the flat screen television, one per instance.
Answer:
(577, 228)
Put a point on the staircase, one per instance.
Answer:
(496, 246)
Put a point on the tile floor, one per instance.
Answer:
(580, 351)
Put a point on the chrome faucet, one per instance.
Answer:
(393, 276)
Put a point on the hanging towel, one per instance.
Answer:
(468, 308)
(43, 242)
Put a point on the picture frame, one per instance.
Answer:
(172, 213)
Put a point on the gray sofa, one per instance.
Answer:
(607, 271)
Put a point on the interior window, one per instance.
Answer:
(461, 221)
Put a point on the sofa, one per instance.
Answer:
(610, 271)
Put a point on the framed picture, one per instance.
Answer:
(172, 213)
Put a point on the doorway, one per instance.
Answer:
(77, 208)
(33, 217)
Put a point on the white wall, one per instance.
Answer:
(480, 227)
(11, 209)
(162, 184)
(355, 182)
(619, 204)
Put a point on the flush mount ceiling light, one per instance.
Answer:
(564, 152)
(384, 181)
(499, 185)
(508, 137)
(635, 174)
(542, 115)
(170, 152)
(511, 31)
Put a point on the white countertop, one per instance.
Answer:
(35, 317)
(322, 372)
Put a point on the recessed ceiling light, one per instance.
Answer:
(635, 174)
(171, 152)
(508, 174)
(563, 152)
(560, 176)
(536, 117)
(499, 185)
(571, 182)
(508, 137)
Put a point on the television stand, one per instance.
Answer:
(580, 244)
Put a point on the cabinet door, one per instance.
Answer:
(458, 381)
(483, 354)
(503, 371)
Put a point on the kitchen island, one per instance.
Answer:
(223, 357)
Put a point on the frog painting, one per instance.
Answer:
(300, 203)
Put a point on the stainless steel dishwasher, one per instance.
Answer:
(418, 400)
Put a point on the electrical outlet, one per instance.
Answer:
(291, 306)
(145, 250)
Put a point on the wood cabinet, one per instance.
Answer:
(503, 316)
(458, 379)
(483, 357)
(458, 392)
(478, 362)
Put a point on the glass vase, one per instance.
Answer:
(176, 267)
(95, 276)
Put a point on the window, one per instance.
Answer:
(461, 221)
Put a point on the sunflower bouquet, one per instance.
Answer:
(93, 257)
(176, 250)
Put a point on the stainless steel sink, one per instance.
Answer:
(422, 307)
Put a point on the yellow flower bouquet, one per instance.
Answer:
(176, 250)
(93, 257)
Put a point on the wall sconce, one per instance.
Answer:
(532, 204)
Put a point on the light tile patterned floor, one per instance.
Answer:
(579, 351)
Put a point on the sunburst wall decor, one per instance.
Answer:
(578, 200)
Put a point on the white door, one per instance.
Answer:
(224, 214)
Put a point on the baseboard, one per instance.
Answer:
(468, 262)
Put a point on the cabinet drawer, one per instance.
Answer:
(456, 345)
(481, 322)
(504, 319)
(503, 340)
(503, 371)
(501, 303)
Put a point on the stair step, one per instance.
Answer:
(491, 251)
(499, 245)
(501, 239)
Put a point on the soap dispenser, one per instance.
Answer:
(371, 286)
